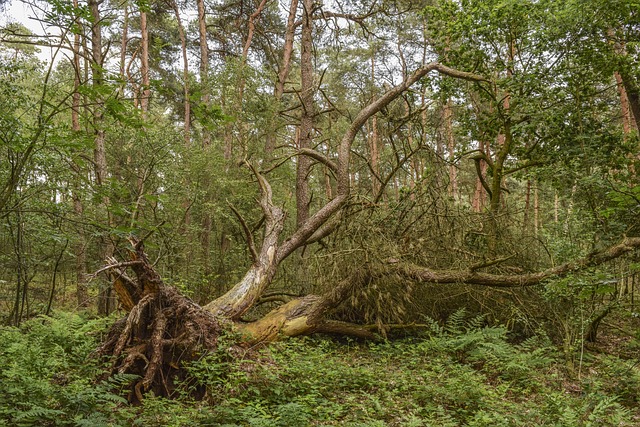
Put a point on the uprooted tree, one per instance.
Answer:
(163, 329)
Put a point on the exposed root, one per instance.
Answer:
(161, 333)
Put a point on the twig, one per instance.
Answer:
(490, 263)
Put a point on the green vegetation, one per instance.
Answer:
(462, 373)
(307, 212)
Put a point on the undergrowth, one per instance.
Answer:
(462, 373)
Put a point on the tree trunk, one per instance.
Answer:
(124, 41)
(204, 65)
(185, 75)
(79, 248)
(144, 63)
(105, 301)
(285, 67)
(451, 145)
(303, 169)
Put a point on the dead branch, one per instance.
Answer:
(425, 275)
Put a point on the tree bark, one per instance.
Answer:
(185, 75)
(285, 67)
(124, 41)
(204, 65)
(105, 303)
(144, 63)
(451, 145)
(633, 94)
(79, 247)
(303, 169)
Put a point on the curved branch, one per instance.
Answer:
(473, 277)
(316, 155)
(309, 227)
(241, 297)
(247, 233)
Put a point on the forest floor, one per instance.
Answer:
(460, 374)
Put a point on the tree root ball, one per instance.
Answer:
(160, 335)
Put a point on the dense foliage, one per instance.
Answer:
(460, 373)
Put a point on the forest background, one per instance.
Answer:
(364, 169)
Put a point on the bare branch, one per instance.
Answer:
(118, 265)
(247, 232)
(490, 263)
(472, 277)
(477, 158)
(316, 155)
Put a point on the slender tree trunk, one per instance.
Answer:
(480, 195)
(536, 209)
(451, 145)
(373, 136)
(289, 34)
(204, 65)
(79, 248)
(105, 302)
(185, 75)
(124, 41)
(144, 63)
(245, 48)
(527, 206)
(283, 73)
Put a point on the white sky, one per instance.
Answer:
(17, 11)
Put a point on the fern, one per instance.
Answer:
(456, 322)
(37, 415)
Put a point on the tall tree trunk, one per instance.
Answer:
(124, 41)
(624, 106)
(289, 34)
(480, 194)
(628, 88)
(144, 63)
(79, 248)
(633, 95)
(451, 145)
(245, 48)
(373, 137)
(527, 206)
(303, 170)
(185, 75)
(204, 65)
(536, 209)
(105, 301)
(283, 73)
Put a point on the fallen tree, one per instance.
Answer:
(163, 329)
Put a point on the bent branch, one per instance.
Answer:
(471, 277)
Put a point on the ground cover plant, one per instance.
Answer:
(461, 373)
